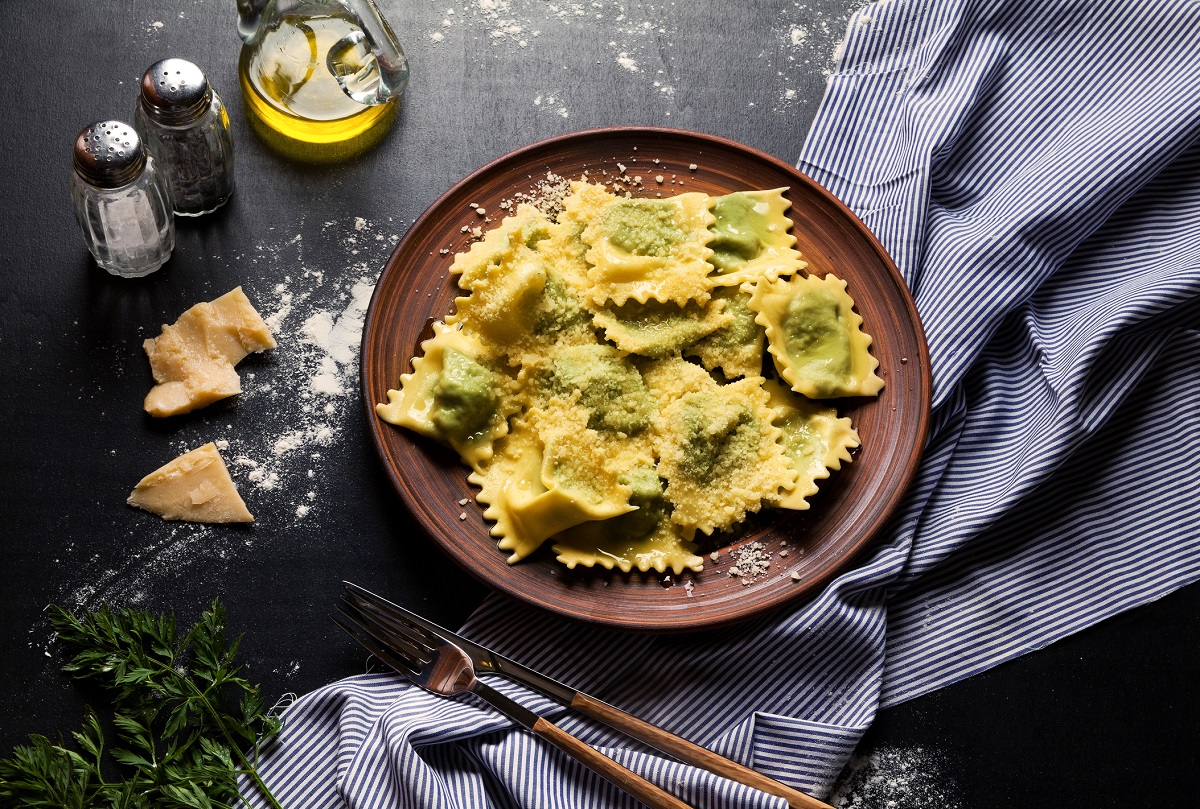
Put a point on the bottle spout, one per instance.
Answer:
(369, 64)
(250, 14)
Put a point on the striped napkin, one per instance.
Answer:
(1034, 169)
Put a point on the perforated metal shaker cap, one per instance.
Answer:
(109, 154)
(175, 92)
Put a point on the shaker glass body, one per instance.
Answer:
(197, 156)
(129, 230)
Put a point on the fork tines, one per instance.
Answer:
(396, 650)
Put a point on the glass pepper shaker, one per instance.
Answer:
(121, 203)
(186, 128)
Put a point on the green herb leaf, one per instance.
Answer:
(182, 714)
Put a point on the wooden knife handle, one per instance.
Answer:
(601, 764)
(690, 753)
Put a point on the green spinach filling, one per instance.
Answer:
(610, 389)
(643, 227)
(464, 399)
(718, 437)
(816, 338)
(738, 233)
(651, 505)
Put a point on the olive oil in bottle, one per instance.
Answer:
(294, 100)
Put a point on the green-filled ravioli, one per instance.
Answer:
(645, 539)
(643, 249)
(752, 238)
(814, 439)
(816, 337)
(453, 395)
(720, 455)
(736, 348)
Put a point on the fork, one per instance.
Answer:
(484, 659)
(437, 665)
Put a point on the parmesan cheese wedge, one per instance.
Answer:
(195, 487)
(192, 360)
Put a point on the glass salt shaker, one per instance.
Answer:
(122, 204)
(186, 128)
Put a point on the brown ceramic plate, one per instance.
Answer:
(415, 288)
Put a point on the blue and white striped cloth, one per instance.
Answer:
(1034, 168)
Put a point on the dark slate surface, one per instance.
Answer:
(1106, 718)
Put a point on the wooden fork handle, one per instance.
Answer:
(602, 765)
(690, 753)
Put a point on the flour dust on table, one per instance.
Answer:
(639, 39)
(280, 437)
(301, 399)
(895, 778)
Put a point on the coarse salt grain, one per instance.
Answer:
(750, 562)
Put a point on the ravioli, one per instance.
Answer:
(752, 238)
(654, 329)
(721, 455)
(602, 375)
(816, 337)
(814, 439)
(645, 538)
(601, 382)
(523, 300)
(511, 243)
(643, 249)
(736, 348)
(452, 396)
(548, 477)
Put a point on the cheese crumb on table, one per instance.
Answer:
(195, 487)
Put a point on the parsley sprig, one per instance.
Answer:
(181, 714)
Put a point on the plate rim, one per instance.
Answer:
(804, 590)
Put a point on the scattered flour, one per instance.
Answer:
(630, 31)
(640, 38)
(895, 778)
(149, 569)
(808, 42)
(277, 437)
(551, 104)
(304, 395)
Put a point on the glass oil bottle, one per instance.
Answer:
(321, 79)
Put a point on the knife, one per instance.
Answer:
(487, 661)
